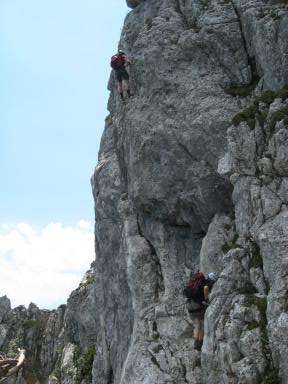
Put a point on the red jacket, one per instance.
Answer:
(118, 61)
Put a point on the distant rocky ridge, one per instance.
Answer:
(60, 344)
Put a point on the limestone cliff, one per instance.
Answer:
(193, 171)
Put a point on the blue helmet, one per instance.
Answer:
(212, 276)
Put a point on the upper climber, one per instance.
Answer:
(197, 292)
(119, 63)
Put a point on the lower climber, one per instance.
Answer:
(197, 292)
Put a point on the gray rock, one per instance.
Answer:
(192, 171)
(220, 237)
(79, 315)
(261, 214)
(5, 307)
(261, 23)
(53, 380)
(68, 370)
(163, 192)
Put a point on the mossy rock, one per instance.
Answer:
(230, 244)
(57, 371)
(256, 260)
(247, 115)
(259, 302)
(252, 325)
(30, 323)
(83, 361)
(248, 289)
(227, 247)
(262, 116)
(282, 114)
(271, 376)
(241, 90)
(89, 280)
(268, 97)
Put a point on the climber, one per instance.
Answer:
(197, 292)
(119, 62)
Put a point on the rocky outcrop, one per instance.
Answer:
(248, 310)
(192, 173)
(59, 344)
(172, 193)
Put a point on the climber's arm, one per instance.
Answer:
(206, 292)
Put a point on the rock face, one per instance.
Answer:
(193, 171)
(59, 343)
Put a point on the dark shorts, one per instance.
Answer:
(196, 311)
(121, 74)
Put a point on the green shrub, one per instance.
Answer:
(259, 302)
(282, 114)
(248, 289)
(241, 90)
(83, 362)
(57, 371)
(271, 376)
(252, 325)
(268, 97)
(30, 323)
(247, 115)
(89, 280)
(256, 260)
(230, 244)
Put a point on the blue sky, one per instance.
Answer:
(54, 68)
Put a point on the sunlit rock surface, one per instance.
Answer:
(192, 173)
(178, 185)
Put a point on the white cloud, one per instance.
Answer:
(43, 266)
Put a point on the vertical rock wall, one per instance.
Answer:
(172, 193)
(246, 324)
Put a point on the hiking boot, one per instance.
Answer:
(198, 344)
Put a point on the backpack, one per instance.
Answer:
(117, 62)
(194, 289)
